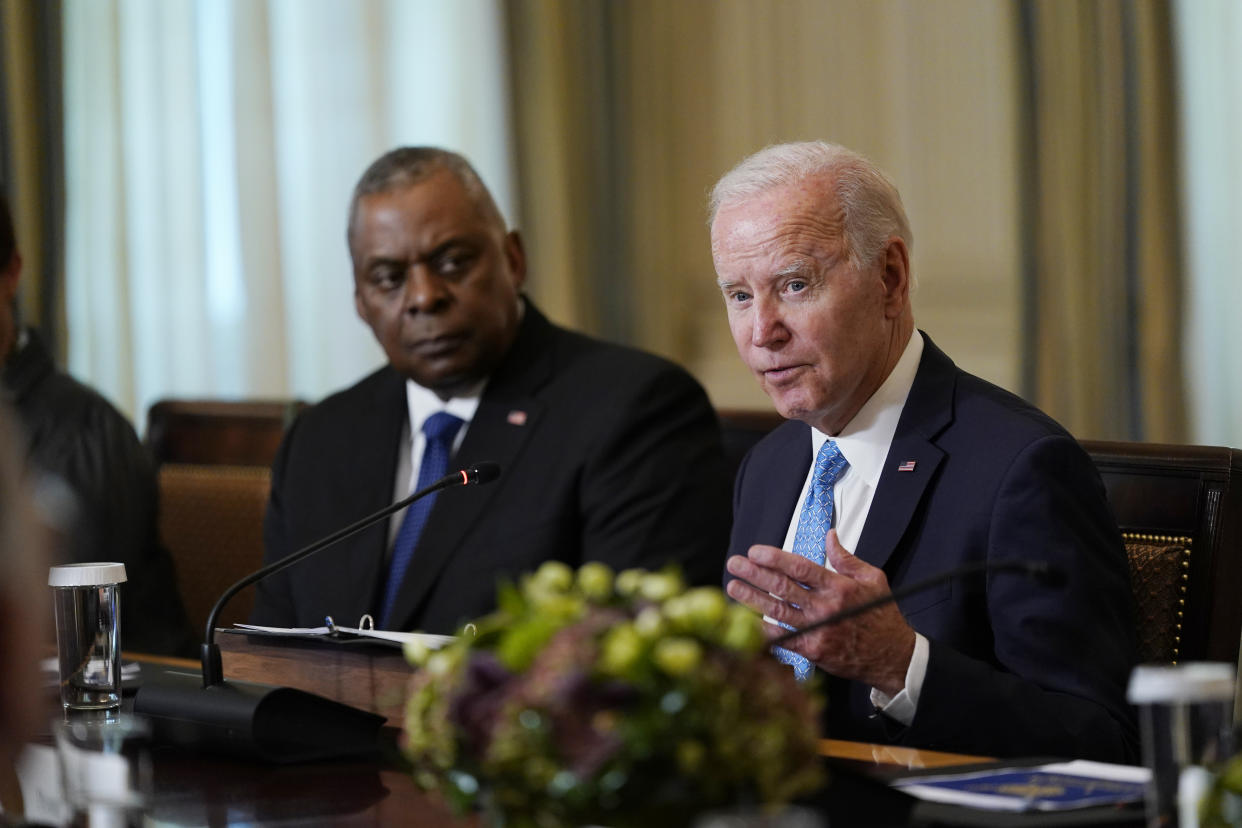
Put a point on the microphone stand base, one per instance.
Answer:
(249, 720)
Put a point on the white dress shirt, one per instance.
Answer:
(865, 442)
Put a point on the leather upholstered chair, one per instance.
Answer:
(1179, 509)
(230, 432)
(213, 459)
(211, 522)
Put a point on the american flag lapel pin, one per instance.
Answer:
(517, 417)
(906, 466)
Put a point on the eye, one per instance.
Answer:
(454, 261)
(387, 277)
(736, 297)
(796, 286)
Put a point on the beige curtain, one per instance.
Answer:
(211, 151)
(1103, 299)
(1033, 144)
(31, 158)
(627, 113)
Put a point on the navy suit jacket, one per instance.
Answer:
(1015, 667)
(606, 454)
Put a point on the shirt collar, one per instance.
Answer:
(423, 402)
(866, 438)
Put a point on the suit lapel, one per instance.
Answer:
(928, 409)
(508, 412)
(376, 443)
(782, 483)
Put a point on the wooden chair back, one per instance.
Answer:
(1179, 508)
(228, 432)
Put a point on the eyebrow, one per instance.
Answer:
(796, 268)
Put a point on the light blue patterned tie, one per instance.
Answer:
(440, 429)
(813, 525)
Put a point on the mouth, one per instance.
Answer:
(436, 346)
(781, 373)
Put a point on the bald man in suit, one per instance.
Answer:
(607, 454)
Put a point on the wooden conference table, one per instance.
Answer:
(205, 790)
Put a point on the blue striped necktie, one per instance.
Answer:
(440, 429)
(813, 525)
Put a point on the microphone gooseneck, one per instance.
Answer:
(1042, 571)
(480, 473)
(213, 670)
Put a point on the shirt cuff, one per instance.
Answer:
(901, 707)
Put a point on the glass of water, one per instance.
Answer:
(87, 604)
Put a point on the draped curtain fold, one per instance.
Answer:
(212, 146)
(1103, 285)
(31, 156)
(566, 161)
(1210, 110)
(626, 114)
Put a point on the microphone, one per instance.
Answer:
(213, 673)
(1041, 571)
(278, 724)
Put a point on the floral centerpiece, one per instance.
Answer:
(592, 698)
(1222, 806)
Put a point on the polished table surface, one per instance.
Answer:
(194, 789)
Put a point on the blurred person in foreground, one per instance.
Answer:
(76, 437)
(607, 454)
(25, 616)
(916, 467)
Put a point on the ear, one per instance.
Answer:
(896, 278)
(359, 306)
(515, 258)
(9, 277)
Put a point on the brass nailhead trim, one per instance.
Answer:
(1185, 543)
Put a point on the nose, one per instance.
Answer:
(767, 328)
(425, 292)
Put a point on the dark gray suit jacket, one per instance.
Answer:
(607, 454)
(1015, 668)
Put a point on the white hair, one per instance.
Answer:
(870, 205)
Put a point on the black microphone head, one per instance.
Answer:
(483, 472)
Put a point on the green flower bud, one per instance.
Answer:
(678, 656)
(629, 581)
(650, 623)
(743, 630)
(439, 663)
(555, 576)
(706, 607)
(416, 652)
(620, 650)
(660, 586)
(677, 611)
(595, 581)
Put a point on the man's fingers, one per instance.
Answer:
(787, 563)
(782, 584)
(763, 602)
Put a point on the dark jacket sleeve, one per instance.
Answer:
(656, 489)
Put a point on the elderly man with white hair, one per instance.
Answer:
(896, 455)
